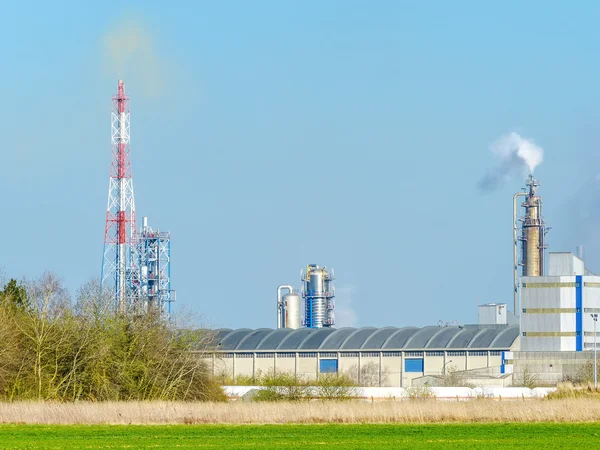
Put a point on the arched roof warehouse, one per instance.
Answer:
(367, 338)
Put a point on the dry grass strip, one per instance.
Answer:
(425, 411)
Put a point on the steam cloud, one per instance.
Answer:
(515, 153)
(131, 55)
(345, 315)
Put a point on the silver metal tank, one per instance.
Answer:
(318, 297)
(291, 306)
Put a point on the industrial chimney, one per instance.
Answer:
(533, 232)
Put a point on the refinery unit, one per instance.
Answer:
(555, 305)
(317, 294)
(556, 302)
(136, 265)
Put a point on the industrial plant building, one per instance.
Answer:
(556, 310)
(552, 325)
(387, 356)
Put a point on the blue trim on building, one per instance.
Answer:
(578, 313)
(414, 365)
(328, 366)
(502, 366)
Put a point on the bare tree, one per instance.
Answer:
(368, 375)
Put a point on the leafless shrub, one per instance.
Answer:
(56, 350)
(454, 378)
(368, 375)
(526, 378)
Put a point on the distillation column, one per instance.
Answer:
(533, 232)
(318, 293)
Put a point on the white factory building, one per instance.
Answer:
(388, 356)
(556, 309)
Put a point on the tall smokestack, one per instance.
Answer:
(533, 233)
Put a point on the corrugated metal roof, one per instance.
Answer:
(368, 338)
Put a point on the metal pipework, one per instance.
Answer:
(280, 306)
(515, 245)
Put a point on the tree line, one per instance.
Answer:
(53, 347)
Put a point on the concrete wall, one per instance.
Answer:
(549, 367)
(564, 264)
(493, 313)
(556, 313)
(469, 381)
(440, 393)
(380, 368)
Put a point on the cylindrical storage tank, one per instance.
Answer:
(315, 281)
(315, 312)
(317, 293)
(291, 304)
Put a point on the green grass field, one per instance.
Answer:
(547, 435)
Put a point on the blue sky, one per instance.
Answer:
(270, 135)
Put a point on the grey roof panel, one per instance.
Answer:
(367, 338)
(218, 335)
(463, 337)
(506, 338)
(484, 339)
(334, 340)
(271, 341)
(399, 338)
(378, 337)
(358, 338)
(316, 339)
(232, 339)
(294, 339)
(252, 339)
(443, 337)
(421, 337)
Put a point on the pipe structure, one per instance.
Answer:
(515, 245)
(280, 307)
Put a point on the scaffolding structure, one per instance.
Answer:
(154, 249)
(136, 267)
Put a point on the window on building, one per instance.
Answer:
(413, 365)
(328, 366)
(434, 353)
(391, 354)
(307, 355)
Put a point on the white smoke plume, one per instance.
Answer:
(131, 55)
(345, 316)
(515, 153)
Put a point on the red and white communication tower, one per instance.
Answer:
(120, 266)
